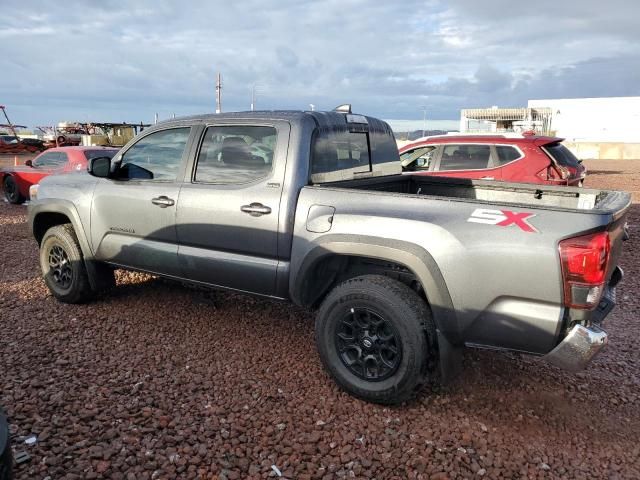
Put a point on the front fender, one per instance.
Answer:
(45, 214)
(39, 210)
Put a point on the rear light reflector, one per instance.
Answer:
(584, 263)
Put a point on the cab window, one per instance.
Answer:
(235, 154)
(50, 160)
(157, 156)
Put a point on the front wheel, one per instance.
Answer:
(11, 191)
(63, 266)
(375, 337)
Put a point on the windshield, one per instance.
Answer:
(562, 155)
(9, 139)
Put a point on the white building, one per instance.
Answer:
(605, 128)
(611, 119)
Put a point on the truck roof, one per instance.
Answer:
(321, 118)
(266, 114)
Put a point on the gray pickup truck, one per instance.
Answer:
(311, 207)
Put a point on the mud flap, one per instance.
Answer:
(450, 359)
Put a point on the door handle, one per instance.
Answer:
(256, 209)
(163, 201)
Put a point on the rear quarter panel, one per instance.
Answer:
(526, 169)
(504, 283)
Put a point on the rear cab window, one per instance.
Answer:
(342, 151)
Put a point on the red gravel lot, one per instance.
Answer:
(155, 380)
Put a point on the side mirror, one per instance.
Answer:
(29, 163)
(409, 167)
(421, 163)
(100, 167)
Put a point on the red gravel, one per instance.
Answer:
(158, 381)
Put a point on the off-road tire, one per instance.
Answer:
(409, 317)
(63, 238)
(11, 191)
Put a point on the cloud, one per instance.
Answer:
(105, 61)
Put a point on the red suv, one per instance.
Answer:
(511, 158)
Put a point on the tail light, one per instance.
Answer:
(564, 172)
(584, 267)
(554, 172)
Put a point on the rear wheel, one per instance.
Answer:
(11, 191)
(63, 266)
(375, 337)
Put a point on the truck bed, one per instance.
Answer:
(516, 194)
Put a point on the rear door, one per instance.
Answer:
(467, 161)
(133, 214)
(513, 167)
(227, 220)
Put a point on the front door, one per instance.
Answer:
(229, 204)
(133, 214)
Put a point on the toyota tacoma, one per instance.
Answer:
(312, 208)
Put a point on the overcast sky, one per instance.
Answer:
(103, 61)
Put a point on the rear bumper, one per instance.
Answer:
(578, 348)
(583, 343)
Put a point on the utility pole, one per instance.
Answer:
(424, 119)
(253, 97)
(219, 94)
(256, 89)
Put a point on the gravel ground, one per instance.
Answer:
(157, 381)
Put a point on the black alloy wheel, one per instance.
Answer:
(60, 267)
(377, 339)
(368, 345)
(11, 191)
(63, 266)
